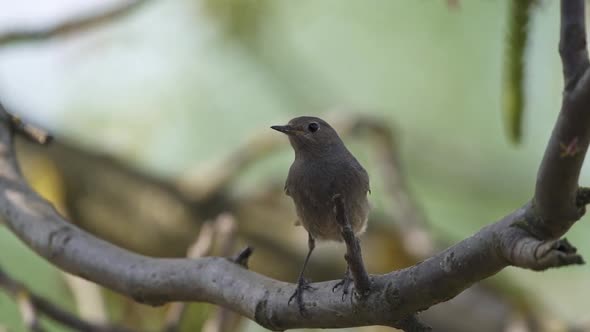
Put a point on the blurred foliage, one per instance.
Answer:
(514, 66)
(241, 19)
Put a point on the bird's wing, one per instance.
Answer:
(286, 188)
(364, 176)
(368, 182)
(290, 179)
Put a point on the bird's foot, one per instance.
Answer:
(345, 284)
(302, 285)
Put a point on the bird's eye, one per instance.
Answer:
(313, 127)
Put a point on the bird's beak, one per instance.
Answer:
(284, 129)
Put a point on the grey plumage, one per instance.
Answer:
(323, 167)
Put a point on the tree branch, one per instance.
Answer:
(74, 25)
(557, 179)
(572, 44)
(32, 133)
(524, 238)
(28, 312)
(394, 296)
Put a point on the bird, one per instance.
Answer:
(323, 168)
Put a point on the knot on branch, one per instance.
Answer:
(538, 255)
(532, 222)
(556, 253)
(392, 296)
(263, 314)
(58, 240)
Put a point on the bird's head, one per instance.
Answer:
(309, 134)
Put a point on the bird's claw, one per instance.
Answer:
(302, 285)
(345, 284)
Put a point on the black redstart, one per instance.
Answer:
(323, 168)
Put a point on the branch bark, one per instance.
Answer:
(557, 180)
(527, 238)
(32, 133)
(73, 25)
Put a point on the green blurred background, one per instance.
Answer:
(176, 84)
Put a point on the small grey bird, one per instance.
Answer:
(323, 168)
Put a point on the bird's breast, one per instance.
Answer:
(312, 187)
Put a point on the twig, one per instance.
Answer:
(201, 247)
(31, 132)
(221, 318)
(353, 256)
(242, 257)
(74, 25)
(28, 312)
(223, 231)
(32, 304)
(88, 298)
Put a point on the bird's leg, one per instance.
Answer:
(302, 283)
(344, 283)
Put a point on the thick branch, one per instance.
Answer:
(572, 44)
(220, 281)
(73, 25)
(557, 179)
